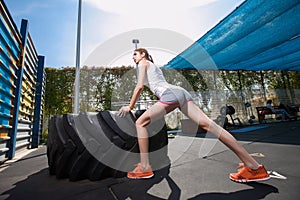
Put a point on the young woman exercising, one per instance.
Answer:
(170, 98)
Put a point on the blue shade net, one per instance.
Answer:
(257, 35)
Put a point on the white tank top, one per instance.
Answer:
(155, 80)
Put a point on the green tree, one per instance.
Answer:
(59, 86)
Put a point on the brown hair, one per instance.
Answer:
(147, 55)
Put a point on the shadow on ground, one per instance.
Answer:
(259, 191)
(138, 189)
(43, 186)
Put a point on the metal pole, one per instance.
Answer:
(135, 42)
(241, 89)
(263, 85)
(77, 73)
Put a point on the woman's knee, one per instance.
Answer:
(142, 122)
(138, 123)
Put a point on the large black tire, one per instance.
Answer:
(69, 156)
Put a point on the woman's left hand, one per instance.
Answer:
(123, 111)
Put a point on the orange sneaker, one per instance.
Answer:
(140, 173)
(247, 175)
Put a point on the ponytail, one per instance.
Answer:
(147, 55)
(150, 58)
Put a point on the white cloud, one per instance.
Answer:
(135, 14)
(128, 15)
(130, 7)
(117, 51)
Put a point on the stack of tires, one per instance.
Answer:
(95, 146)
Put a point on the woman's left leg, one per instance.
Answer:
(156, 112)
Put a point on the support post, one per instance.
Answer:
(18, 90)
(38, 103)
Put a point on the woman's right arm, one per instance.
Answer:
(137, 90)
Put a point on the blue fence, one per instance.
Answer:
(22, 83)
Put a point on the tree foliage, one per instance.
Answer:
(59, 87)
(109, 88)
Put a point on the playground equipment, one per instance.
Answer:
(99, 145)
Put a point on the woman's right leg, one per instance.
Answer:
(252, 170)
(197, 115)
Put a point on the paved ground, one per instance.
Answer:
(190, 176)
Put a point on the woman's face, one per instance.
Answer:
(137, 56)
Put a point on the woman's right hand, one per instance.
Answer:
(123, 111)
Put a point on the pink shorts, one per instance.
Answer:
(175, 95)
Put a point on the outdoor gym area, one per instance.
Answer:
(243, 74)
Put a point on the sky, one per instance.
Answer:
(107, 27)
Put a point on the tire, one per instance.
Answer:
(53, 144)
(70, 154)
(106, 116)
(62, 162)
(69, 124)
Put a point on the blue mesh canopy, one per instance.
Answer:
(258, 35)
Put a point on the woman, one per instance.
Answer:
(170, 98)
